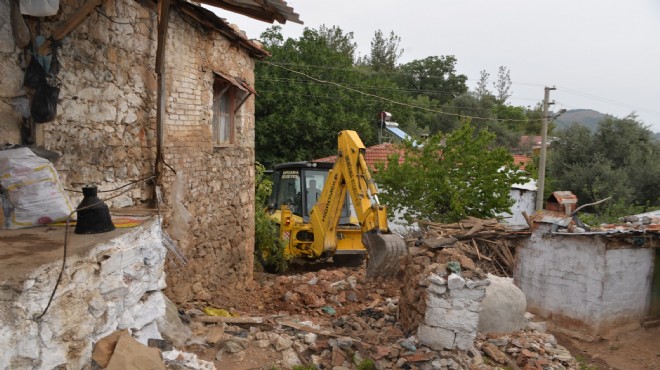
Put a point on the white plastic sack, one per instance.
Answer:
(40, 8)
(33, 190)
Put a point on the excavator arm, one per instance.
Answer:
(351, 174)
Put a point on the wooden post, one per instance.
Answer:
(73, 22)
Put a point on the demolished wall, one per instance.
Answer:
(105, 127)
(587, 284)
(439, 305)
(115, 285)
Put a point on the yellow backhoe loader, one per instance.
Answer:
(317, 224)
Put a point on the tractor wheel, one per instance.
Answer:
(348, 260)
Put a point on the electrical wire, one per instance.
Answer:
(604, 100)
(132, 23)
(121, 187)
(390, 100)
(66, 239)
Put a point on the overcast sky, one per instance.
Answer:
(600, 54)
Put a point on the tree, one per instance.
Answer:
(451, 177)
(384, 52)
(620, 160)
(503, 84)
(308, 93)
(433, 76)
(482, 85)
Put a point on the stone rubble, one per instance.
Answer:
(365, 332)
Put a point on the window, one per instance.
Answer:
(224, 94)
(229, 94)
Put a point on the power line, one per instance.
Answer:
(605, 100)
(389, 100)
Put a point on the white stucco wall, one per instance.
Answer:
(581, 284)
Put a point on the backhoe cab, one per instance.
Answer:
(311, 202)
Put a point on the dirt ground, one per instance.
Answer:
(638, 350)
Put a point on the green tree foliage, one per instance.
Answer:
(297, 113)
(267, 246)
(385, 52)
(503, 84)
(434, 77)
(450, 177)
(620, 160)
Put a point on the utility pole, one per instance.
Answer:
(544, 138)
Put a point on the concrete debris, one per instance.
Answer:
(185, 361)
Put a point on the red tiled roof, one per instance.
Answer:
(521, 160)
(380, 152)
(528, 141)
(373, 154)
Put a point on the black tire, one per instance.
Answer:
(348, 260)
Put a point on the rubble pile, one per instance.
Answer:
(485, 241)
(529, 349)
(337, 319)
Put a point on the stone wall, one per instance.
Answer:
(13, 102)
(105, 127)
(441, 306)
(115, 285)
(219, 191)
(586, 284)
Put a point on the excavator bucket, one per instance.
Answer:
(384, 251)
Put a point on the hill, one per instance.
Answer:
(586, 117)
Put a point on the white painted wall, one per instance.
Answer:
(578, 278)
(524, 201)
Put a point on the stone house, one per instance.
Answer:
(146, 88)
(110, 128)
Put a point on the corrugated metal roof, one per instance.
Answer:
(263, 10)
(649, 226)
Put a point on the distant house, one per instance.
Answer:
(373, 154)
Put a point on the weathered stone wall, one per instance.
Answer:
(439, 305)
(12, 97)
(115, 285)
(105, 128)
(584, 283)
(219, 190)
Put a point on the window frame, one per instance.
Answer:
(223, 87)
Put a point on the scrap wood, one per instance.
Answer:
(76, 19)
(309, 329)
(493, 352)
(502, 250)
(477, 249)
(433, 243)
(228, 320)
